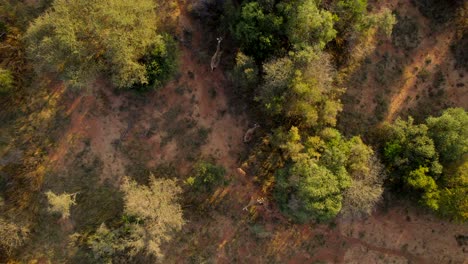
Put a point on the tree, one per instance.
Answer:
(407, 148)
(366, 189)
(153, 212)
(300, 88)
(160, 62)
(316, 191)
(351, 14)
(454, 192)
(258, 31)
(412, 152)
(245, 74)
(450, 134)
(206, 176)
(420, 181)
(385, 21)
(309, 25)
(6, 81)
(78, 39)
(105, 243)
(61, 203)
(12, 235)
(278, 74)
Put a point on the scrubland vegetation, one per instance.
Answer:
(111, 148)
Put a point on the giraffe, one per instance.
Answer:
(249, 134)
(217, 56)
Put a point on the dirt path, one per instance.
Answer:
(435, 49)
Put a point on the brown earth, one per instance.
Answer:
(406, 92)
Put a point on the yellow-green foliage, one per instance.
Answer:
(206, 176)
(319, 172)
(6, 81)
(309, 25)
(157, 211)
(80, 38)
(61, 203)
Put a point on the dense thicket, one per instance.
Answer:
(289, 69)
(315, 169)
(429, 160)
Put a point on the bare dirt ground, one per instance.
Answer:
(433, 52)
(129, 132)
(395, 81)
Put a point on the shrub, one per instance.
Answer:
(160, 63)
(6, 81)
(12, 235)
(206, 176)
(61, 203)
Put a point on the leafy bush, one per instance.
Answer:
(104, 243)
(317, 192)
(61, 203)
(206, 176)
(351, 15)
(300, 88)
(160, 63)
(245, 74)
(450, 134)
(258, 31)
(309, 25)
(6, 81)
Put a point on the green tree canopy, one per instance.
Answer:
(6, 81)
(412, 154)
(454, 194)
(309, 25)
(205, 176)
(408, 147)
(319, 171)
(301, 89)
(258, 31)
(78, 39)
(317, 192)
(351, 14)
(450, 134)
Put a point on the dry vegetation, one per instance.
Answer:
(413, 73)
